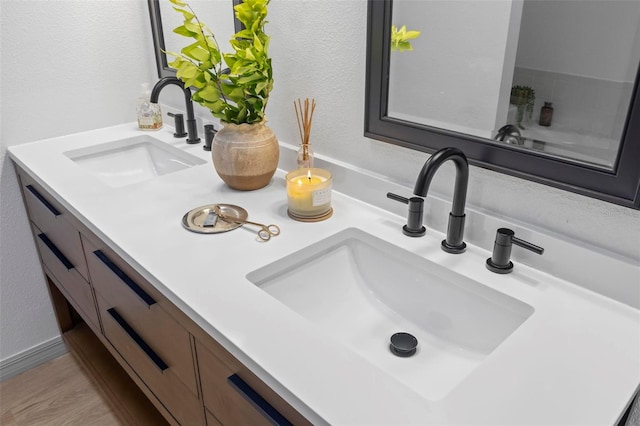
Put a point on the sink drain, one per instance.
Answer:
(403, 344)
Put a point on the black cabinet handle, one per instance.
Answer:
(258, 402)
(61, 257)
(136, 338)
(143, 295)
(43, 200)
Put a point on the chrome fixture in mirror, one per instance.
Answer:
(164, 20)
(446, 92)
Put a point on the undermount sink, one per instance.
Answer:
(127, 161)
(361, 290)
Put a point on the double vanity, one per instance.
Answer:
(225, 329)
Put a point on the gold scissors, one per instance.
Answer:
(265, 233)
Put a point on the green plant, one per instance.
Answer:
(524, 97)
(400, 38)
(239, 93)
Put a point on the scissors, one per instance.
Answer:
(264, 234)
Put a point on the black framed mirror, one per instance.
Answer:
(223, 10)
(617, 183)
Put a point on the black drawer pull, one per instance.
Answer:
(43, 200)
(136, 338)
(148, 300)
(258, 402)
(61, 257)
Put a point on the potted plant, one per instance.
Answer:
(524, 98)
(235, 87)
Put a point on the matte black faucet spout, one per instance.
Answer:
(192, 128)
(455, 231)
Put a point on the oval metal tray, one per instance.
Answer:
(194, 220)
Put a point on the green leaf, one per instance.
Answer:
(185, 13)
(196, 52)
(193, 27)
(209, 93)
(261, 86)
(181, 30)
(249, 79)
(258, 45)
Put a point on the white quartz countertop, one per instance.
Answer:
(576, 360)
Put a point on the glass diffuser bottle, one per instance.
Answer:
(305, 156)
(304, 118)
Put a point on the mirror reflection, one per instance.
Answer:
(553, 76)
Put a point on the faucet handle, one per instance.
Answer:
(179, 125)
(414, 227)
(209, 133)
(500, 262)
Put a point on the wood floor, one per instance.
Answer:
(68, 391)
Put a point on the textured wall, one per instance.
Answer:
(67, 66)
(101, 51)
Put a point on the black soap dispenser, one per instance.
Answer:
(546, 114)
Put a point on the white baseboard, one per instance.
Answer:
(32, 357)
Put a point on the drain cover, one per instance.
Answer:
(403, 344)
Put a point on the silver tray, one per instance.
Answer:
(194, 220)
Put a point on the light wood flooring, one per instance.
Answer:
(70, 391)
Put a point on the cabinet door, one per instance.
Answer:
(66, 276)
(157, 372)
(138, 303)
(55, 221)
(151, 341)
(231, 400)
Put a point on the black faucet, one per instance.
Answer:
(455, 230)
(192, 128)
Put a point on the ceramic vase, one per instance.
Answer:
(245, 156)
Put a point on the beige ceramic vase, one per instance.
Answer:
(245, 155)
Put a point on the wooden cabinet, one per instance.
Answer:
(67, 278)
(55, 222)
(60, 249)
(154, 344)
(186, 374)
(234, 395)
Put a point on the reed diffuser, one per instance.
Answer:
(304, 116)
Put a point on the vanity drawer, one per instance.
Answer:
(211, 419)
(235, 396)
(229, 406)
(156, 368)
(67, 276)
(137, 303)
(54, 221)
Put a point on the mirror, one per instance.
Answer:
(217, 14)
(454, 88)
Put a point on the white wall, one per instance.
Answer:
(66, 66)
(318, 50)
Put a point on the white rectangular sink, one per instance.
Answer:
(361, 290)
(132, 160)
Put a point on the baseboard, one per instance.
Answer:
(32, 357)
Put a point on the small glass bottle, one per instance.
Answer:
(546, 114)
(149, 114)
(305, 156)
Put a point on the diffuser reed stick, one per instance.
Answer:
(304, 117)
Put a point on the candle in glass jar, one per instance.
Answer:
(309, 192)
